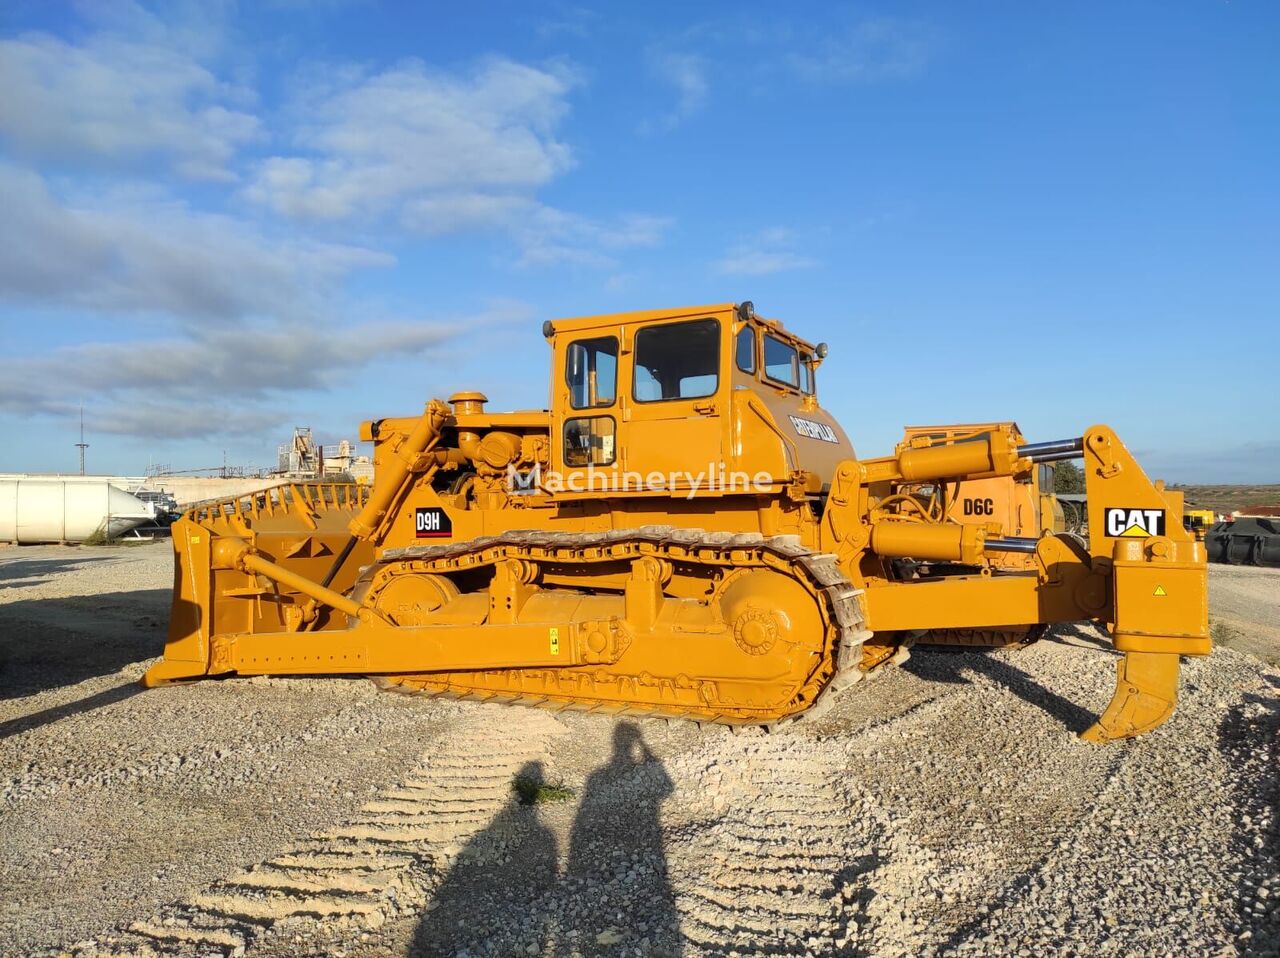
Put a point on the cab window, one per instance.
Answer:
(746, 349)
(806, 373)
(591, 372)
(780, 361)
(677, 361)
(589, 441)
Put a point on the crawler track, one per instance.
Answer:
(845, 654)
(1014, 637)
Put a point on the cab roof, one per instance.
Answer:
(612, 320)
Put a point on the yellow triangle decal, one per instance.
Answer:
(1135, 530)
(1159, 591)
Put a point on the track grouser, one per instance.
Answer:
(685, 532)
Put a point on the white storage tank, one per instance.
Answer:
(51, 510)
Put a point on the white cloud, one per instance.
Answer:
(686, 73)
(761, 262)
(768, 251)
(872, 49)
(407, 148)
(251, 365)
(242, 322)
(228, 313)
(229, 380)
(412, 135)
(568, 20)
(160, 257)
(458, 212)
(549, 236)
(439, 153)
(545, 235)
(113, 101)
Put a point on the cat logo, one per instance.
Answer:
(1134, 523)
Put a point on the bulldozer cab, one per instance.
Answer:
(637, 392)
(697, 392)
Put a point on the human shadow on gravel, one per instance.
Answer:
(506, 895)
(1253, 725)
(616, 885)
(55, 642)
(499, 889)
(949, 666)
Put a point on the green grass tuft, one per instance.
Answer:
(530, 791)
(1221, 633)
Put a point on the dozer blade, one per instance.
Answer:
(300, 526)
(1145, 696)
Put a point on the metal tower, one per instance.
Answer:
(82, 445)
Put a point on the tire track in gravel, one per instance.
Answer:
(967, 831)
(1074, 891)
(382, 862)
(770, 868)
(793, 849)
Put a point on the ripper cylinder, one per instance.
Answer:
(943, 543)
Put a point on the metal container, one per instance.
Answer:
(53, 510)
(1247, 540)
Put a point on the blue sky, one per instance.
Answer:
(225, 220)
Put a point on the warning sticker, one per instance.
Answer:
(1134, 523)
(553, 635)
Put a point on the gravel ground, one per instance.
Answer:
(944, 808)
(1245, 609)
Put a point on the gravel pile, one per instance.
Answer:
(945, 809)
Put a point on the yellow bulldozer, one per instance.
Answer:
(686, 532)
(1199, 521)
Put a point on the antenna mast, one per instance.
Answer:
(82, 445)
